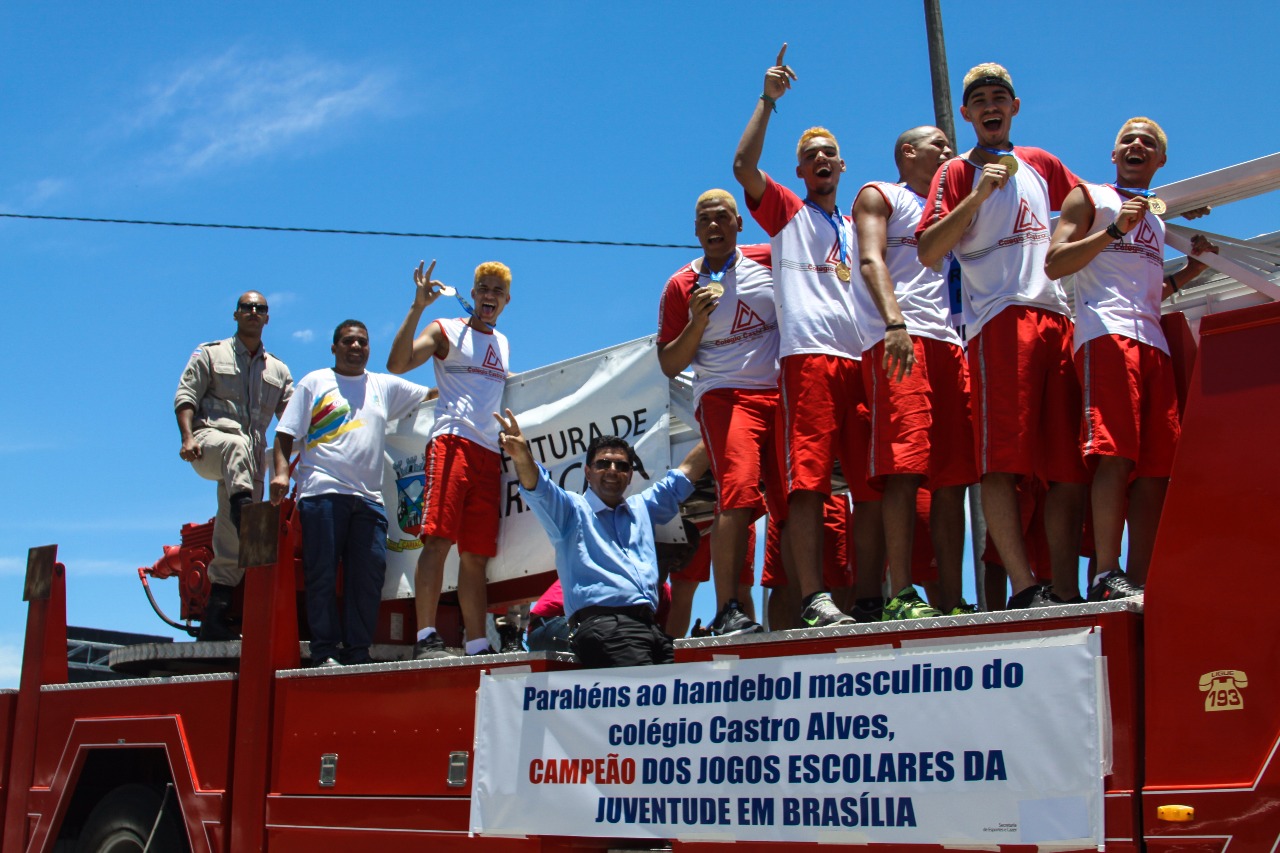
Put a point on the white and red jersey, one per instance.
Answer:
(815, 308)
(1003, 250)
(921, 292)
(471, 379)
(739, 347)
(1118, 292)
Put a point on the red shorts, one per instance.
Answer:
(924, 564)
(837, 556)
(921, 424)
(699, 568)
(1026, 398)
(827, 418)
(742, 429)
(1130, 403)
(462, 497)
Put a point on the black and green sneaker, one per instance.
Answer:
(908, 605)
(964, 608)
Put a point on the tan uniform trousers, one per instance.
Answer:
(229, 459)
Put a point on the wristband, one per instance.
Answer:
(1114, 232)
(893, 327)
(773, 103)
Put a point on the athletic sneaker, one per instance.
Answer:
(731, 621)
(1054, 598)
(908, 605)
(867, 610)
(432, 648)
(1037, 595)
(1115, 585)
(327, 663)
(964, 608)
(822, 612)
(510, 634)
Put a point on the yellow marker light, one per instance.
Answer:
(1176, 814)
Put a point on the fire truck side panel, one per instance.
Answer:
(392, 730)
(1213, 652)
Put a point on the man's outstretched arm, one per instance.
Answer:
(746, 162)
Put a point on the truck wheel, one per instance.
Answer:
(122, 821)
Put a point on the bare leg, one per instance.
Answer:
(899, 509)
(1063, 524)
(473, 593)
(728, 552)
(429, 578)
(868, 537)
(946, 528)
(1110, 495)
(804, 523)
(784, 608)
(1004, 523)
(993, 584)
(1146, 502)
(745, 599)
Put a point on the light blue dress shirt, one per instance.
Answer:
(606, 557)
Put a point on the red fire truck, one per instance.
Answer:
(269, 755)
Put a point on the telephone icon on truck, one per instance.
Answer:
(1223, 687)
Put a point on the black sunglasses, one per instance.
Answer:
(252, 308)
(620, 465)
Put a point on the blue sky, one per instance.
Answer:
(570, 120)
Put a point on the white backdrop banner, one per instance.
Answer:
(998, 741)
(618, 391)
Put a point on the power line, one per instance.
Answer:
(488, 237)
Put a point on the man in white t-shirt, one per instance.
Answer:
(1114, 245)
(340, 415)
(991, 206)
(717, 313)
(820, 346)
(463, 466)
(917, 383)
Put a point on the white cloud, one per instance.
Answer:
(306, 336)
(10, 665)
(238, 107)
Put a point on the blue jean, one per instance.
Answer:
(551, 636)
(351, 529)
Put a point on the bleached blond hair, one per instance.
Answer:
(993, 73)
(1161, 139)
(813, 133)
(723, 196)
(501, 270)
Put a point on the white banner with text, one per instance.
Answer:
(995, 741)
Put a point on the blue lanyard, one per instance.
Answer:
(471, 312)
(833, 219)
(1133, 190)
(717, 276)
(995, 151)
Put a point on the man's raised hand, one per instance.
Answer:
(427, 290)
(777, 80)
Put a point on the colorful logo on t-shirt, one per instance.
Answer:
(745, 319)
(491, 359)
(1027, 219)
(330, 418)
(1145, 235)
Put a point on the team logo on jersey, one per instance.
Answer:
(1145, 236)
(1027, 219)
(745, 319)
(491, 359)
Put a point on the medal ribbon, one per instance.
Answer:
(717, 276)
(833, 219)
(1138, 191)
(995, 151)
(471, 312)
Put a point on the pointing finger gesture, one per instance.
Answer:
(777, 80)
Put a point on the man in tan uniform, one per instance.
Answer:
(226, 398)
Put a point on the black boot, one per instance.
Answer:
(214, 626)
(235, 504)
(509, 631)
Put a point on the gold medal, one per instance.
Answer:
(446, 290)
(1009, 162)
(1156, 205)
(715, 288)
(843, 272)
